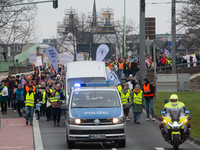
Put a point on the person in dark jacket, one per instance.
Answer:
(12, 96)
(133, 68)
(4, 97)
(148, 91)
(19, 99)
(18, 79)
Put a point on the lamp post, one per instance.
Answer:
(173, 36)
(142, 40)
(124, 28)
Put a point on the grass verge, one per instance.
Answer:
(192, 103)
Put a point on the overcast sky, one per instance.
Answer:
(48, 17)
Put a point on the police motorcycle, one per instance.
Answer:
(175, 126)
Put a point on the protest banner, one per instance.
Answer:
(38, 61)
(52, 54)
(32, 57)
(63, 58)
(80, 57)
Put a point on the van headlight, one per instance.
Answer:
(118, 120)
(74, 121)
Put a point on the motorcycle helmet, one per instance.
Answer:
(174, 97)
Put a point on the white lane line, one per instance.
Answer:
(37, 135)
(159, 148)
(114, 149)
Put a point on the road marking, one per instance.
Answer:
(37, 135)
(12, 125)
(17, 147)
(114, 149)
(159, 148)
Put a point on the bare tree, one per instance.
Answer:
(17, 24)
(118, 38)
(76, 32)
(189, 21)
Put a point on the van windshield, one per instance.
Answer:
(95, 99)
(71, 82)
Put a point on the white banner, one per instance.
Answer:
(63, 58)
(102, 51)
(45, 60)
(80, 57)
(39, 61)
(32, 57)
(113, 76)
(52, 54)
(70, 58)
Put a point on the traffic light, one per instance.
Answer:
(55, 4)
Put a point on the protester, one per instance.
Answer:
(126, 99)
(30, 102)
(19, 99)
(56, 100)
(137, 102)
(148, 91)
(4, 97)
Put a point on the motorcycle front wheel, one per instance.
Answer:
(176, 141)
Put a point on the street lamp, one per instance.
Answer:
(124, 28)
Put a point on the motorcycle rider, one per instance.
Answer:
(174, 104)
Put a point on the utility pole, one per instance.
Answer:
(174, 36)
(124, 28)
(142, 40)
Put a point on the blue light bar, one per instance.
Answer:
(187, 111)
(163, 112)
(77, 85)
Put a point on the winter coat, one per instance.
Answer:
(3, 98)
(137, 108)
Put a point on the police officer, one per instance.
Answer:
(56, 100)
(30, 102)
(125, 98)
(174, 104)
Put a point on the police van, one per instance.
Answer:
(94, 114)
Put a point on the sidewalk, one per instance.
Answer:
(14, 133)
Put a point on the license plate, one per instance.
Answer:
(97, 136)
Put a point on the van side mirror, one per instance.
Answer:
(165, 101)
(64, 107)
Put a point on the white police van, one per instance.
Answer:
(95, 114)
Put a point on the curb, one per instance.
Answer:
(193, 140)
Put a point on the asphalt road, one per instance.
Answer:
(145, 136)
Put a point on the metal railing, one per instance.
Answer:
(167, 68)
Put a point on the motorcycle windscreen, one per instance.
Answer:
(175, 113)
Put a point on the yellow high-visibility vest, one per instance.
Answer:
(30, 99)
(124, 98)
(138, 98)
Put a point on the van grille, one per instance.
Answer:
(116, 131)
(91, 122)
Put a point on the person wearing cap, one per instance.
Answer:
(30, 102)
(4, 97)
(19, 99)
(148, 91)
(137, 102)
(18, 79)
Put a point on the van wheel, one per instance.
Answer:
(122, 143)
